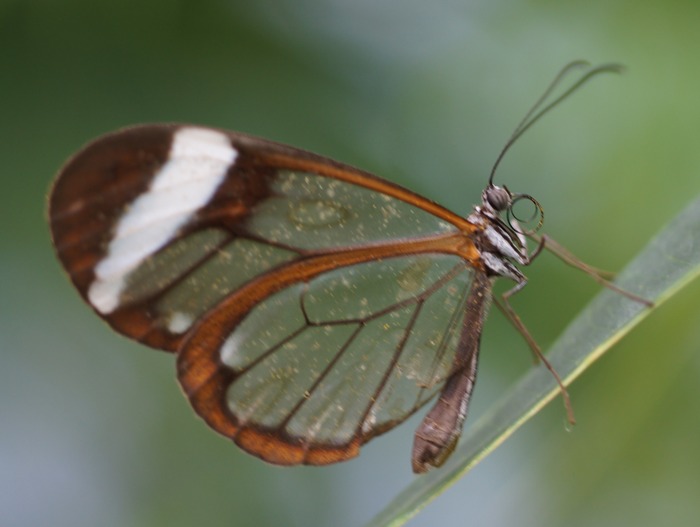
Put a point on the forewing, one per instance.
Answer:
(158, 224)
(310, 372)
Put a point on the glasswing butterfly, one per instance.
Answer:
(311, 305)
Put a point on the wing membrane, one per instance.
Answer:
(320, 367)
(157, 224)
(312, 305)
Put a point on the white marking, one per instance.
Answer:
(179, 322)
(502, 267)
(233, 352)
(502, 244)
(229, 350)
(370, 420)
(495, 263)
(197, 164)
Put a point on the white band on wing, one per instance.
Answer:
(197, 164)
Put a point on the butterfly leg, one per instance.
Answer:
(600, 276)
(512, 316)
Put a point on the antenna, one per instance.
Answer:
(537, 111)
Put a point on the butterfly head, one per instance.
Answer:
(496, 200)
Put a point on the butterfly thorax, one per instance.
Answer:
(500, 245)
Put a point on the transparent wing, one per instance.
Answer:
(156, 225)
(312, 305)
(319, 367)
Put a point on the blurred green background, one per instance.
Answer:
(93, 429)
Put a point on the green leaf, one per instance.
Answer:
(665, 266)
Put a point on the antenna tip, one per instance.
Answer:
(612, 67)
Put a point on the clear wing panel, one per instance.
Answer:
(278, 382)
(362, 290)
(309, 211)
(333, 409)
(196, 270)
(161, 270)
(427, 356)
(156, 224)
(265, 328)
(352, 352)
(191, 275)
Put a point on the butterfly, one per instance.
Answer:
(311, 306)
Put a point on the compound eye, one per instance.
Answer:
(498, 198)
